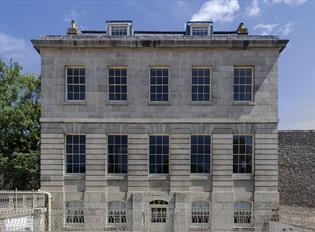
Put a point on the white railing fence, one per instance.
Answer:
(30, 211)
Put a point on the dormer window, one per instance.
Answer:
(199, 31)
(119, 28)
(200, 28)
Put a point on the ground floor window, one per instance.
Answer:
(242, 212)
(200, 212)
(159, 211)
(74, 212)
(117, 212)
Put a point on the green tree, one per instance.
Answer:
(19, 128)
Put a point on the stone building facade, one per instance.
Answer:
(160, 131)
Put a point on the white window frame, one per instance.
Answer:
(153, 205)
(117, 101)
(128, 25)
(169, 150)
(210, 85)
(65, 156)
(203, 213)
(118, 212)
(211, 147)
(241, 223)
(66, 84)
(116, 174)
(75, 213)
(244, 175)
(252, 85)
(193, 26)
(169, 85)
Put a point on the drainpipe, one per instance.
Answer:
(48, 208)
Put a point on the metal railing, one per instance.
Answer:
(22, 218)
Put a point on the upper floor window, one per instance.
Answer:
(200, 30)
(200, 153)
(74, 212)
(75, 83)
(200, 212)
(117, 153)
(243, 84)
(159, 154)
(117, 211)
(242, 212)
(242, 153)
(200, 84)
(159, 84)
(75, 153)
(117, 84)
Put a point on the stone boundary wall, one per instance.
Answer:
(297, 168)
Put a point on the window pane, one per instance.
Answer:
(159, 154)
(117, 84)
(242, 154)
(75, 83)
(200, 153)
(117, 153)
(200, 84)
(242, 212)
(159, 84)
(243, 84)
(75, 153)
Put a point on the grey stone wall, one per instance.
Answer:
(297, 168)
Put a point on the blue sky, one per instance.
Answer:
(21, 21)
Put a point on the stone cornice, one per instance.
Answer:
(233, 42)
(155, 120)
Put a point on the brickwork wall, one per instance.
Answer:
(297, 168)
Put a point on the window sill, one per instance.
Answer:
(159, 177)
(242, 227)
(245, 176)
(74, 102)
(73, 227)
(159, 103)
(199, 227)
(116, 177)
(120, 103)
(74, 177)
(200, 177)
(201, 103)
(243, 103)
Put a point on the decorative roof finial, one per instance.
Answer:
(242, 30)
(73, 29)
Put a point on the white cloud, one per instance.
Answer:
(290, 2)
(73, 15)
(180, 3)
(19, 50)
(265, 29)
(10, 44)
(217, 10)
(287, 28)
(253, 9)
